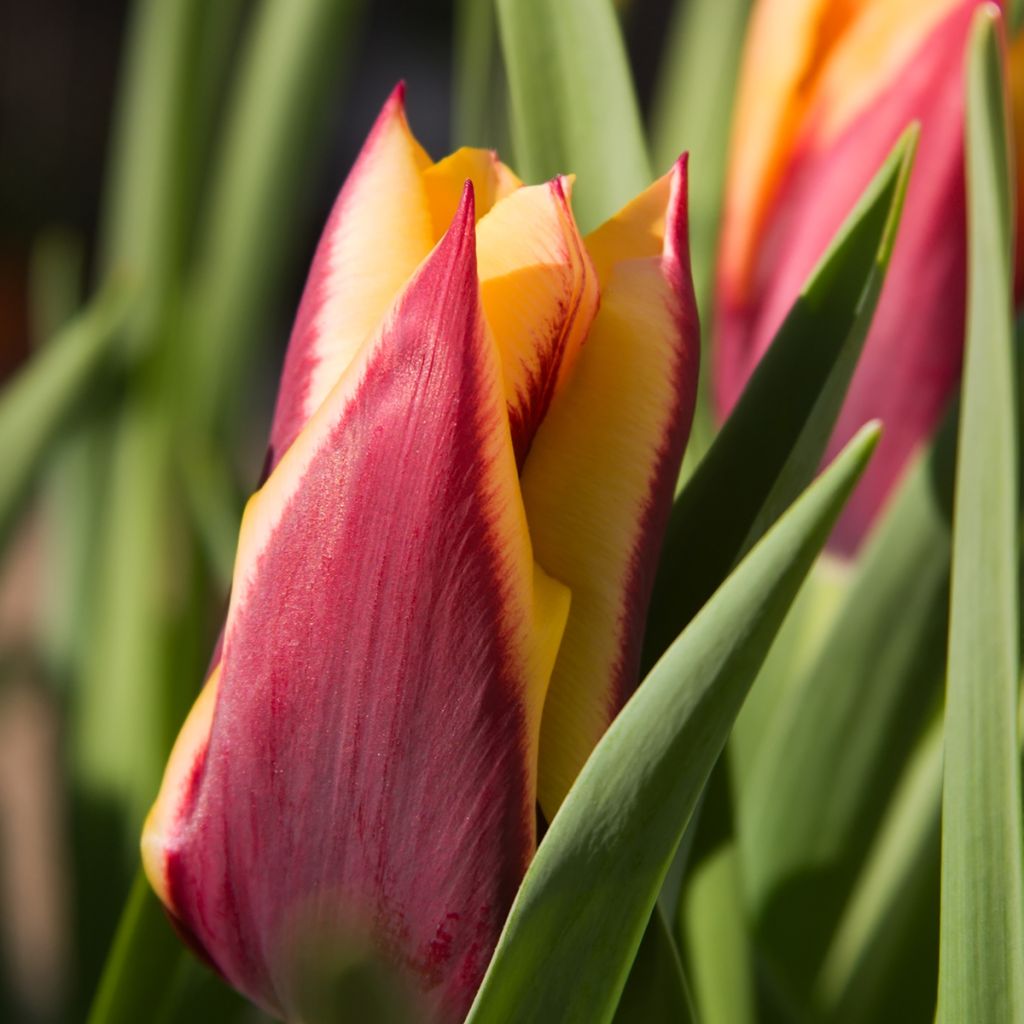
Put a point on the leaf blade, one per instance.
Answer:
(981, 948)
(596, 875)
(574, 109)
(767, 451)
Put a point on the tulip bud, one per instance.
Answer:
(439, 591)
(825, 91)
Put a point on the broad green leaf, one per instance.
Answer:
(656, 991)
(883, 958)
(581, 911)
(981, 952)
(37, 402)
(574, 109)
(143, 965)
(770, 448)
(480, 89)
(287, 81)
(832, 749)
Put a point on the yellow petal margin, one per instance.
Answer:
(539, 294)
(599, 479)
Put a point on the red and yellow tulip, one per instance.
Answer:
(439, 591)
(827, 86)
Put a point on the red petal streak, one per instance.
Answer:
(370, 761)
(540, 297)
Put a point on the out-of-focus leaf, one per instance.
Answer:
(288, 79)
(833, 749)
(574, 109)
(145, 224)
(703, 46)
(704, 43)
(480, 90)
(37, 401)
(656, 991)
(117, 703)
(712, 916)
(581, 911)
(883, 960)
(803, 634)
(121, 693)
(143, 965)
(55, 283)
(215, 503)
(981, 955)
(769, 448)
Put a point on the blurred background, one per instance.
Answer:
(161, 214)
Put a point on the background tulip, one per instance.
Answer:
(439, 591)
(825, 91)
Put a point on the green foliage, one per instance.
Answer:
(586, 899)
(573, 105)
(768, 450)
(981, 952)
(39, 401)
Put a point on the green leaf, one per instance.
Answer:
(36, 403)
(480, 90)
(883, 959)
(828, 759)
(704, 44)
(287, 81)
(770, 448)
(711, 914)
(143, 225)
(143, 965)
(656, 991)
(981, 959)
(574, 109)
(581, 911)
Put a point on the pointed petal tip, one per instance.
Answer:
(464, 221)
(677, 220)
(397, 96)
(392, 110)
(455, 255)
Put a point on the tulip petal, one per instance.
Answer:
(371, 760)
(540, 295)
(807, 61)
(445, 180)
(911, 359)
(599, 479)
(354, 278)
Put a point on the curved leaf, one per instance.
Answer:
(581, 911)
(769, 449)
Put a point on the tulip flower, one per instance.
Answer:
(826, 89)
(439, 590)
